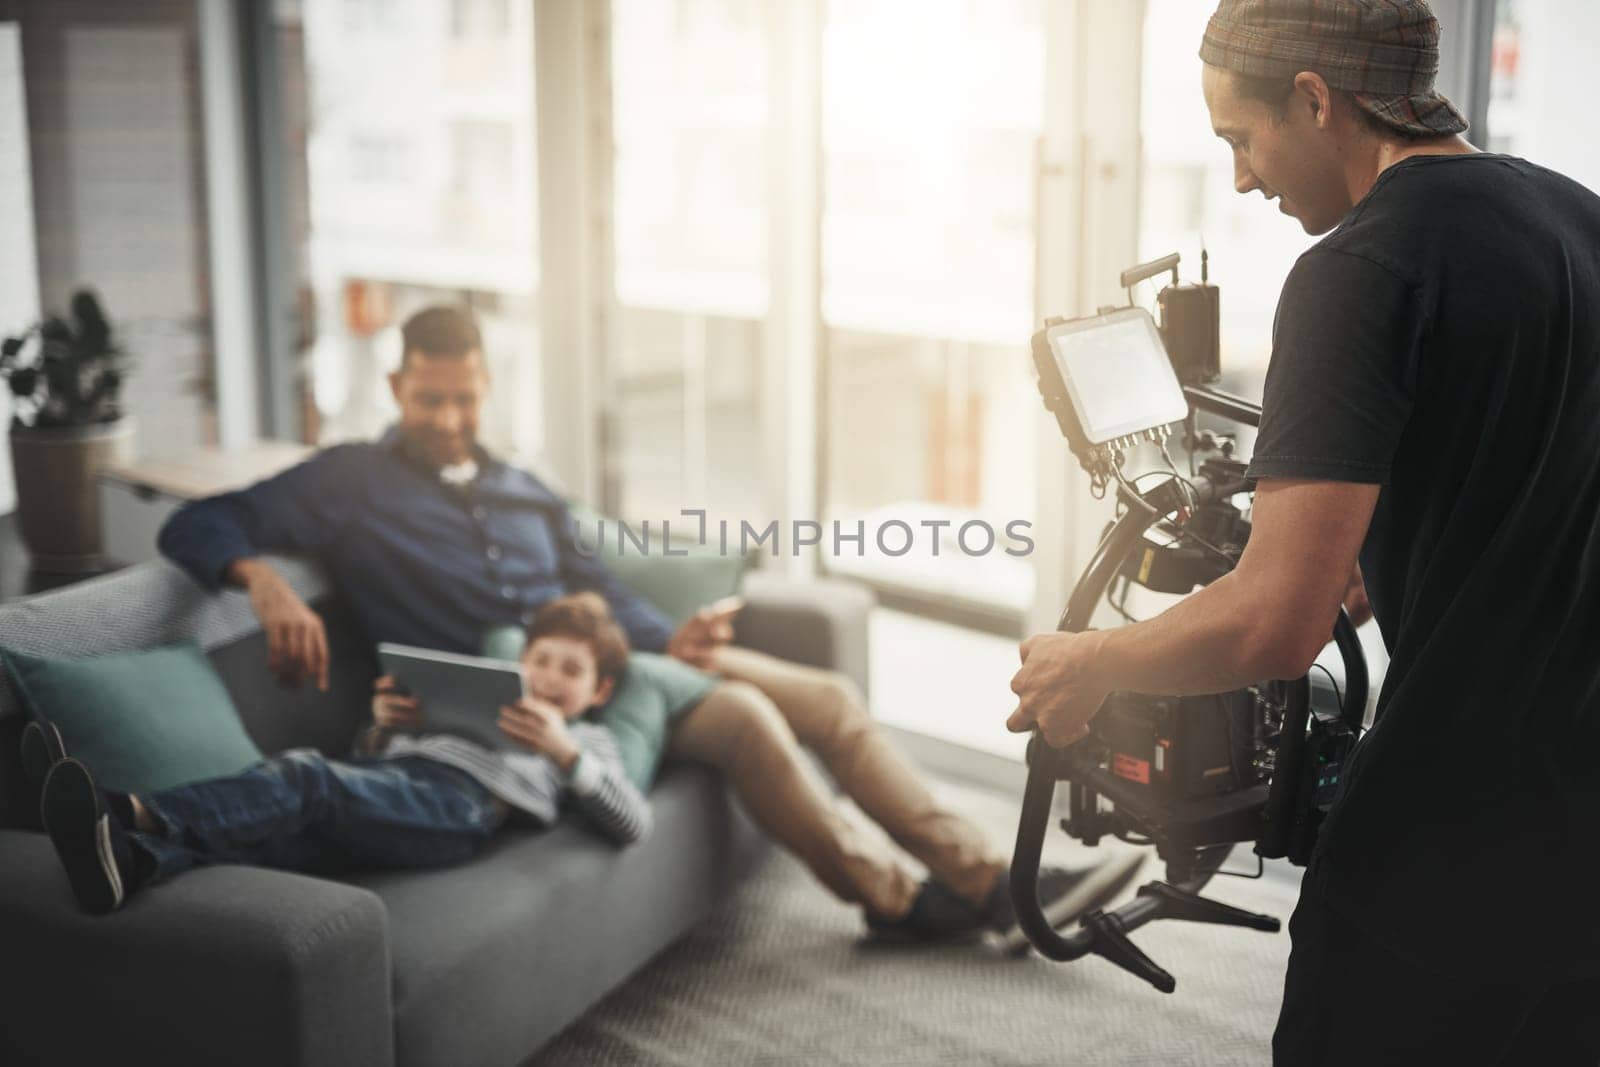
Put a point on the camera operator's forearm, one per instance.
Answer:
(1221, 638)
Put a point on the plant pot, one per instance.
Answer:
(58, 495)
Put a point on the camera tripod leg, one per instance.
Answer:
(1109, 940)
(1175, 903)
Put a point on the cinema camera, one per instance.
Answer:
(1191, 776)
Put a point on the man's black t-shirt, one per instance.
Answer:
(1444, 343)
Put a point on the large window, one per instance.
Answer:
(689, 85)
(930, 127)
(1187, 201)
(1538, 108)
(422, 187)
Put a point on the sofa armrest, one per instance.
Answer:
(821, 623)
(237, 965)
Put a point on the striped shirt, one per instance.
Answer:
(597, 786)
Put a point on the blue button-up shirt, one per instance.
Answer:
(420, 562)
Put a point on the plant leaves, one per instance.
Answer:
(24, 381)
(74, 376)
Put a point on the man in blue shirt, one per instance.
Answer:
(432, 542)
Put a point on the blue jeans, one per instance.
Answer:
(304, 812)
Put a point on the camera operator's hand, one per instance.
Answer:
(1058, 688)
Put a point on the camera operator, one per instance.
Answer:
(1432, 406)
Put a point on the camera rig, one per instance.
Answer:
(1190, 776)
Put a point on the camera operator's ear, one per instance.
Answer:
(1312, 93)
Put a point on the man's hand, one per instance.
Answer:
(698, 639)
(297, 642)
(1267, 618)
(538, 726)
(1058, 689)
(392, 709)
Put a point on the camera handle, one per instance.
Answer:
(1105, 933)
(1102, 933)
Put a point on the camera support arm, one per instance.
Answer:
(1217, 402)
(1048, 765)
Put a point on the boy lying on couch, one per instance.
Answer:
(407, 799)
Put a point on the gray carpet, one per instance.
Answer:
(779, 975)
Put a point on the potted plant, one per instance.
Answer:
(66, 376)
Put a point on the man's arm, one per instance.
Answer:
(1269, 618)
(1356, 604)
(296, 511)
(297, 641)
(218, 539)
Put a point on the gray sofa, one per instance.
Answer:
(474, 965)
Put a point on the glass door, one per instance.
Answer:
(420, 186)
(929, 134)
(689, 105)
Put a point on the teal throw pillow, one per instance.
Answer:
(655, 690)
(141, 721)
(653, 693)
(677, 585)
(505, 643)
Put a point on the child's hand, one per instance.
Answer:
(538, 725)
(392, 709)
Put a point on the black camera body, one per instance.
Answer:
(1187, 748)
(1180, 748)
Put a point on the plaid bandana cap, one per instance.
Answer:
(1385, 53)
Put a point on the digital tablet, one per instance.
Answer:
(458, 694)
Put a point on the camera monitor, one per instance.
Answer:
(1107, 378)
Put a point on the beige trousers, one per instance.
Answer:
(751, 727)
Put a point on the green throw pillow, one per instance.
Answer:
(653, 692)
(141, 721)
(677, 585)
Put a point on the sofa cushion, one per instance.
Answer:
(492, 958)
(142, 721)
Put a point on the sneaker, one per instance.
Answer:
(937, 915)
(41, 748)
(1064, 895)
(93, 848)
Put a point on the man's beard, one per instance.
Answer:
(419, 453)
